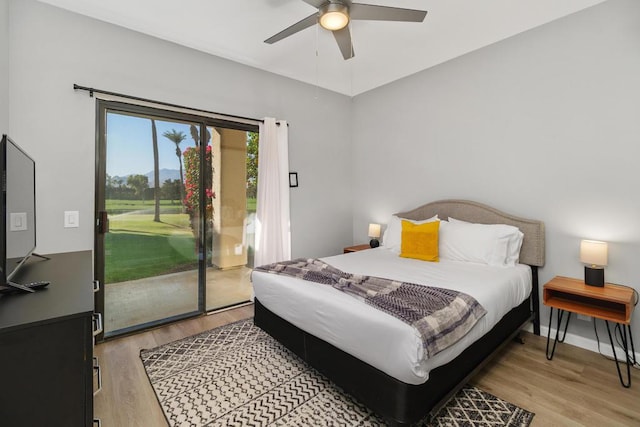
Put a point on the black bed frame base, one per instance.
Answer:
(397, 402)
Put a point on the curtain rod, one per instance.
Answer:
(92, 90)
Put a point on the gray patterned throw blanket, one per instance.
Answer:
(441, 316)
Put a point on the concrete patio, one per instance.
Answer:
(144, 300)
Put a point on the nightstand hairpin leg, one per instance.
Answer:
(558, 327)
(633, 350)
(625, 348)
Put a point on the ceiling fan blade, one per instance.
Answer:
(298, 26)
(316, 3)
(343, 37)
(384, 13)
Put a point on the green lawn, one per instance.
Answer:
(251, 205)
(115, 206)
(137, 247)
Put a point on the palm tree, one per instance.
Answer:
(196, 136)
(177, 137)
(156, 172)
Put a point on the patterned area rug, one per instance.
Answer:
(238, 375)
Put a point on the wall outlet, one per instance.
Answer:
(18, 221)
(583, 317)
(71, 219)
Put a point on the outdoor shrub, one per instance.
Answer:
(191, 158)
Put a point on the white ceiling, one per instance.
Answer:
(385, 51)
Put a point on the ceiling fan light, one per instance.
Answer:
(334, 16)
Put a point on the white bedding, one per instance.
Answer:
(378, 338)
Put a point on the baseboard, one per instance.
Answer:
(586, 343)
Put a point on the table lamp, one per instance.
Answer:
(594, 254)
(374, 233)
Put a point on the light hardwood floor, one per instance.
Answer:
(577, 387)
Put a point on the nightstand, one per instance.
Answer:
(356, 248)
(611, 303)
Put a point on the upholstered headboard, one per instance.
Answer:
(532, 252)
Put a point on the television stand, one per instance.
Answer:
(30, 287)
(46, 345)
(12, 286)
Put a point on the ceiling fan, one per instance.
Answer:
(334, 15)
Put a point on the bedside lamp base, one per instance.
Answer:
(594, 276)
(374, 243)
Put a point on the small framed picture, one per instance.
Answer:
(293, 179)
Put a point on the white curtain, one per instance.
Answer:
(273, 237)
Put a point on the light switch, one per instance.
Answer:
(18, 221)
(71, 219)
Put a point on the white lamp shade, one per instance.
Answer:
(374, 230)
(593, 252)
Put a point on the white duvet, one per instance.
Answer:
(380, 339)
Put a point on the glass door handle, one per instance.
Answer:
(103, 222)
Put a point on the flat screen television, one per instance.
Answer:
(18, 210)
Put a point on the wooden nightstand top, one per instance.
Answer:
(611, 302)
(356, 248)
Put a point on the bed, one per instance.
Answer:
(394, 379)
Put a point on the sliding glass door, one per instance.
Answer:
(231, 226)
(174, 235)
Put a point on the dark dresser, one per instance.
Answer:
(46, 345)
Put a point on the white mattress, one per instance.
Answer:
(378, 338)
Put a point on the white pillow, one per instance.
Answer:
(392, 236)
(492, 244)
(513, 251)
(512, 234)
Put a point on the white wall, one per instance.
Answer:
(544, 125)
(51, 49)
(4, 66)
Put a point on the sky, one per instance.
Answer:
(130, 145)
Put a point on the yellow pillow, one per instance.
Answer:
(420, 241)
